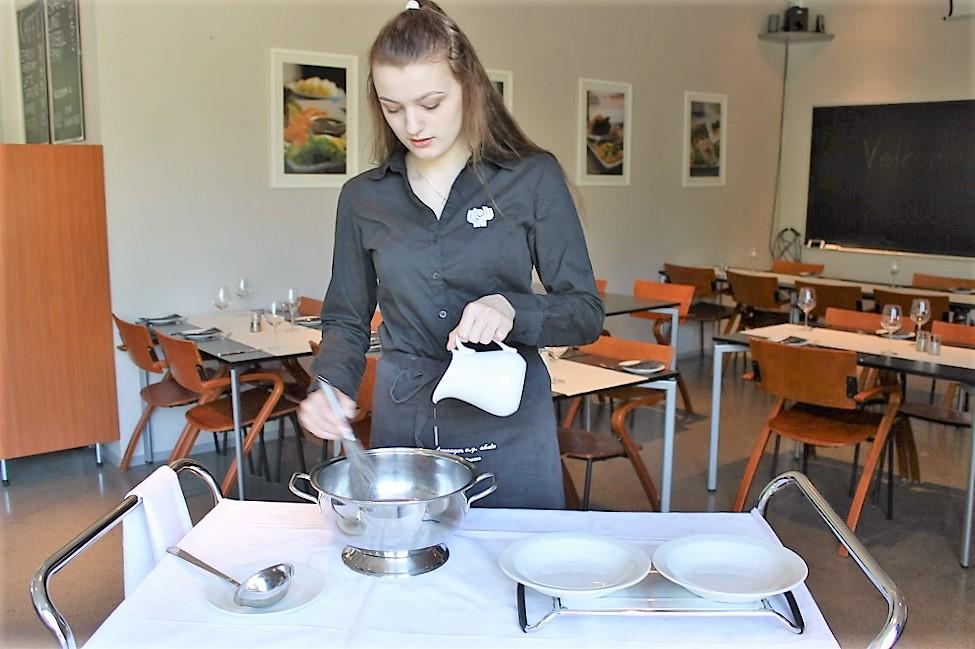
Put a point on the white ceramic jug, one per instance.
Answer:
(492, 380)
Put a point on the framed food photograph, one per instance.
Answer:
(314, 118)
(705, 141)
(503, 82)
(604, 132)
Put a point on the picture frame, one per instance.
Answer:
(504, 81)
(314, 116)
(705, 161)
(604, 132)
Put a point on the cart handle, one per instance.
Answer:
(46, 610)
(896, 605)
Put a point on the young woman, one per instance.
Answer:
(445, 234)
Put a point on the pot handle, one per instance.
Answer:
(487, 492)
(294, 489)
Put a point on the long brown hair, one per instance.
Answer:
(429, 34)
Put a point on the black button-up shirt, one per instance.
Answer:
(390, 247)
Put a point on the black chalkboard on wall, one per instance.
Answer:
(33, 72)
(898, 177)
(64, 59)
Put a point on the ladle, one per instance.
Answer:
(263, 588)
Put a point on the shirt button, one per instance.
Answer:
(436, 275)
(442, 314)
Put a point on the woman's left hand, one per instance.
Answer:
(484, 320)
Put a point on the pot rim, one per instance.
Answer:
(392, 450)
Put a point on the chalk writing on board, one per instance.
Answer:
(33, 72)
(64, 56)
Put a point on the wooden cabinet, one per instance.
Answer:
(57, 364)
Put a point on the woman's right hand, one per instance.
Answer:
(317, 418)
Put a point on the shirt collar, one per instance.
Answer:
(397, 163)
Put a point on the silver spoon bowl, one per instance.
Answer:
(264, 588)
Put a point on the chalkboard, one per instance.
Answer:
(33, 72)
(64, 59)
(898, 177)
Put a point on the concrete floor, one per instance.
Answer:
(53, 497)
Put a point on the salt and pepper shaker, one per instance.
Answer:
(255, 321)
(934, 345)
(923, 340)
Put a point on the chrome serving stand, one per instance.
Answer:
(653, 597)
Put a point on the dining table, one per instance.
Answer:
(954, 364)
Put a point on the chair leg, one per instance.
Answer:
(184, 443)
(805, 458)
(756, 457)
(702, 339)
(684, 394)
(277, 468)
(863, 486)
(775, 457)
(633, 452)
(853, 470)
(875, 494)
(136, 435)
(586, 487)
(224, 448)
(264, 468)
(216, 443)
(890, 477)
(299, 442)
(569, 489)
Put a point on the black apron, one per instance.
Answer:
(521, 450)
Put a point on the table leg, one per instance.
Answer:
(98, 454)
(147, 452)
(966, 533)
(238, 432)
(3, 473)
(720, 349)
(670, 417)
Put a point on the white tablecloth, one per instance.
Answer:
(289, 339)
(466, 603)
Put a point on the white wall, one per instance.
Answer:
(178, 94)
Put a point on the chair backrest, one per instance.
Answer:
(363, 397)
(648, 290)
(952, 333)
(941, 283)
(185, 362)
(848, 319)
(756, 291)
(812, 375)
(309, 306)
(785, 267)
(840, 296)
(138, 344)
(939, 304)
(601, 286)
(702, 279)
(624, 349)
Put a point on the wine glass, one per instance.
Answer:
(243, 289)
(920, 314)
(291, 303)
(894, 269)
(890, 320)
(806, 300)
(222, 300)
(274, 314)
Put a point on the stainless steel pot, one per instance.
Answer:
(397, 525)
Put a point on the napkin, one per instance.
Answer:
(199, 333)
(163, 319)
(162, 520)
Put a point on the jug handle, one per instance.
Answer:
(463, 349)
(294, 489)
(487, 492)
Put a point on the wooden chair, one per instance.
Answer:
(820, 386)
(362, 422)
(941, 283)
(601, 286)
(580, 444)
(682, 293)
(703, 309)
(863, 321)
(839, 296)
(948, 413)
(785, 267)
(309, 306)
(757, 301)
(166, 393)
(214, 413)
(939, 305)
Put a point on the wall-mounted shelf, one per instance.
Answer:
(795, 37)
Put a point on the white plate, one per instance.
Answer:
(571, 564)
(641, 367)
(898, 335)
(961, 290)
(729, 568)
(163, 320)
(306, 584)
